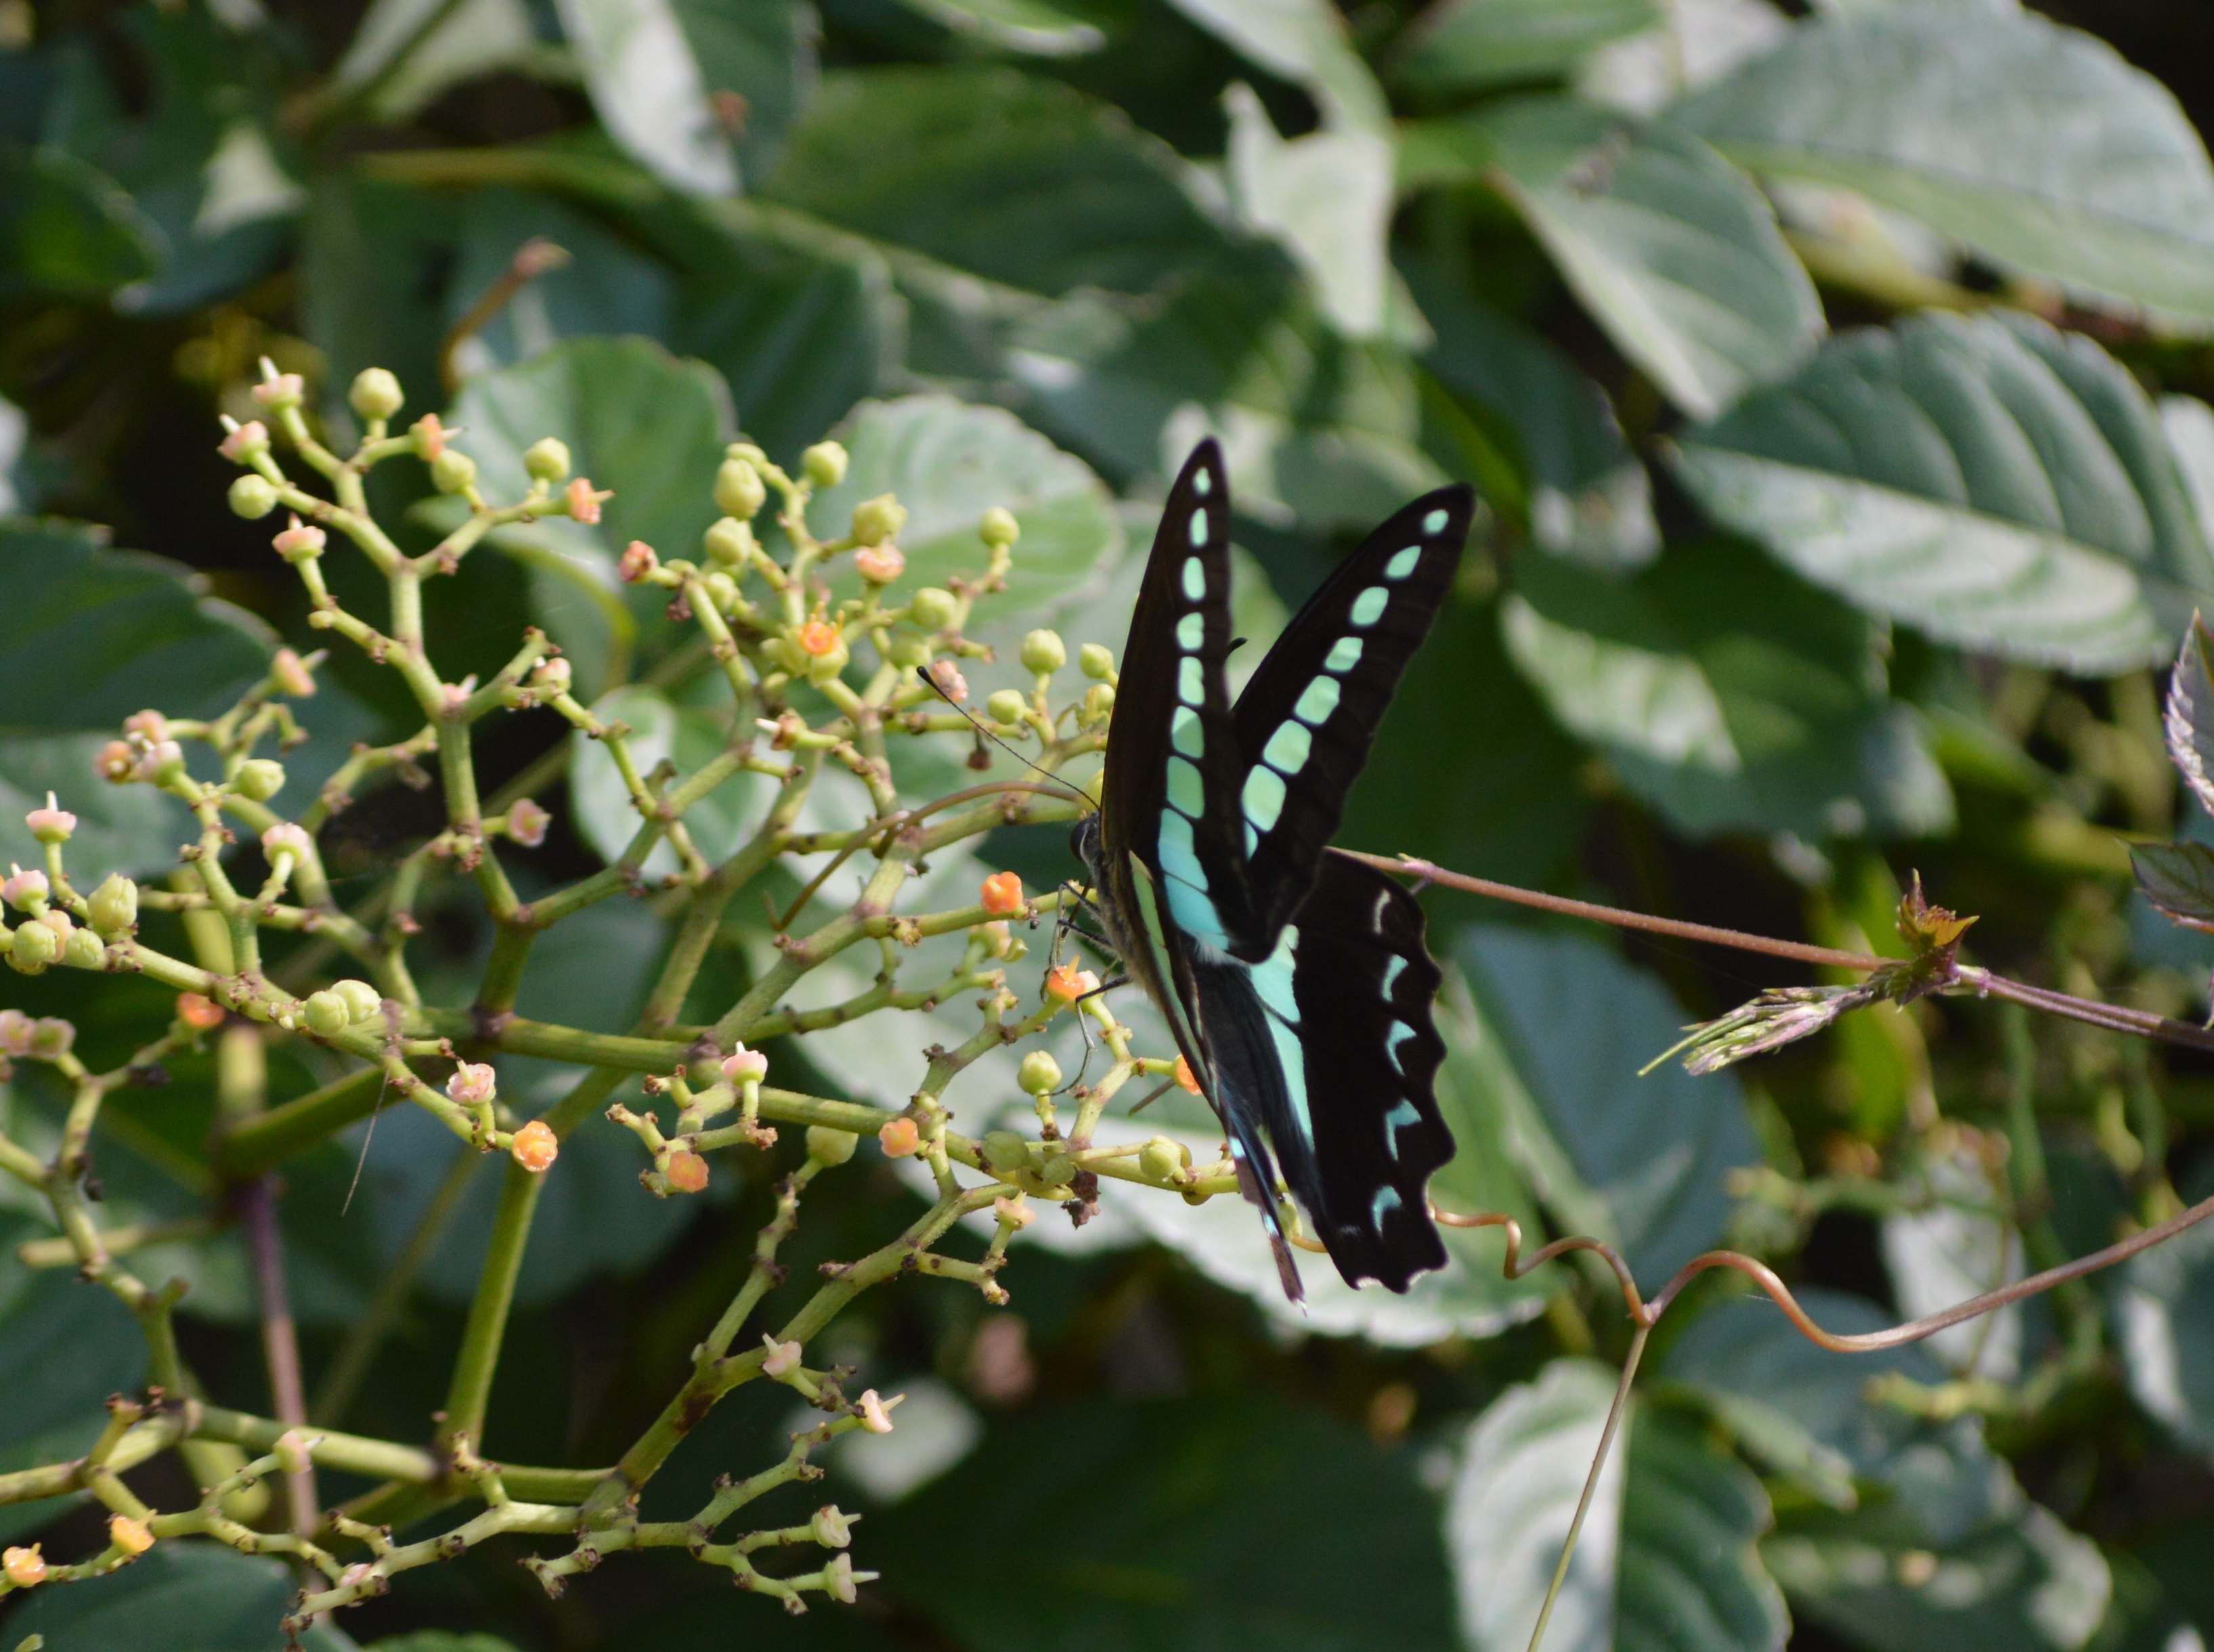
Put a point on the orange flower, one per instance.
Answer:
(900, 1138)
(1068, 983)
(131, 1536)
(687, 1171)
(1184, 1076)
(818, 637)
(534, 1147)
(429, 437)
(1003, 894)
(202, 1014)
(584, 503)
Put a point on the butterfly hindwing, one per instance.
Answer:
(1305, 721)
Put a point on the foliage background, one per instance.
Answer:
(1832, 381)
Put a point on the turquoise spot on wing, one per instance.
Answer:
(1191, 631)
(1368, 607)
(1186, 735)
(1387, 1200)
(1194, 578)
(1403, 564)
(1272, 984)
(1263, 797)
(1400, 1033)
(1287, 748)
(1433, 524)
(1179, 853)
(1194, 914)
(1403, 1116)
(1344, 654)
(1317, 701)
(1253, 841)
(1198, 526)
(1393, 969)
(1185, 791)
(1191, 686)
(1203, 484)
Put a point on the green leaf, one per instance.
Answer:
(1305, 42)
(68, 228)
(635, 418)
(1639, 1162)
(1697, 42)
(2036, 145)
(1589, 497)
(1466, 45)
(1959, 1244)
(95, 634)
(2178, 879)
(1327, 197)
(606, 285)
(2189, 719)
(2164, 1319)
(1199, 1528)
(1043, 29)
(1728, 694)
(182, 1596)
(55, 1408)
(660, 731)
(405, 53)
(1666, 1559)
(1673, 252)
(949, 462)
(2189, 424)
(1997, 484)
(988, 173)
(1315, 429)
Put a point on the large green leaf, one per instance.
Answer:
(1314, 429)
(2164, 1319)
(1327, 197)
(1921, 1536)
(2036, 145)
(1988, 479)
(68, 228)
(1303, 41)
(1668, 247)
(1588, 496)
(55, 1408)
(1666, 1560)
(606, 285)
(1642, 1163)
(988, 173)
(127, 828)
(95, 634)
(1732, 695)
(1200, 1527)
(406, 52)
(662, 730)
(1697, 41)
(1463, 44)
(1953, 1243)
(1041, 28)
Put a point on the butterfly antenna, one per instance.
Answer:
(983, 733)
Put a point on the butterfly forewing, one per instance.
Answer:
(1173, 764)
(1305, 720)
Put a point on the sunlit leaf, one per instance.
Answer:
(1327, 197)
(1959, 1244)
(2190, 713)
(2164, 1316)
(1461, 44)
(1037, 26)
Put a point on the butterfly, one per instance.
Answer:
(1294, 979)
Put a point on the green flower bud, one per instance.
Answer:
(375, 393)
(730, 541)
(253, 497)
(1006, 1152)
(722, 591)
(828, 1146)
(1044, 652)
(326, 1014)
(878, 519)
(1006, 706)
(32, 946)
(452, 471)
(1098, 703)
(999, 529)
(1096, 661)
(820, 668)
(748, 451)
(547, 460)
(1039, 1072)
(910, 652)
(362, 1002)
(824, 464)
(259, 779)
(739, 489)
(1161, 1159)
(933, 607)
(114, 905)
(83, 950)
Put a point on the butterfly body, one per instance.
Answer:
(1294, 980)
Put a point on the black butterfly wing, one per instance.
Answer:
(1173, 763)
(1305, 720)
(1364, 984)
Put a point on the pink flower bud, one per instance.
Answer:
(638, 561)
(876, 1413)
(280, 390)
(162, 758)
(527, 822)
(133, 1537)
(15, 1030)
(429, 437)
(23, 890)
(149, 725)
(838, 1580)
(833, 1528)
(900, 1138)
(880, 564)
(474, 1082)
(25, 1568)
(115, 762)
(783, 1358)
(286, 838)
(536, 1146)
(583, 504)
(687, 1171)
(1013, 1212)
(52, 1037)
(947, 676)
(299, 540)
(554, 675)
(291, 673)
(245, 442)
(742, 1064)
(52, 825)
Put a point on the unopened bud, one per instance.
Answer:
(1096, 661)
(326, 1014)
(375, 394)
(1161, 1159)
(878, 519)
(999, 528)
(828, 1146)
(114, 905)
(933, 607)
(824, 464)
(362, 1002)
(1039, 1072)
(739, 489)
(259, 779)
(452, 471)
(547, 460)
(730, 541)
(1044, 653)
(253, 497)
(1006, 706)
